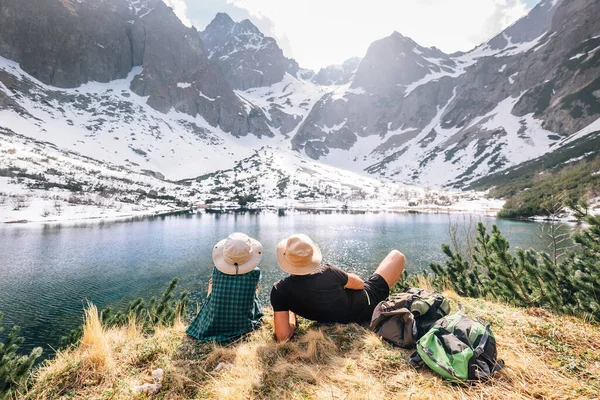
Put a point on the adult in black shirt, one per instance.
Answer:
(325, 293)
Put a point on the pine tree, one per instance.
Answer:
(528, 278)
(14, 368)
(583, 268)
(580, 208)
(465, 276)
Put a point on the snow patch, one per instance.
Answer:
(343, 91)
(576, 56)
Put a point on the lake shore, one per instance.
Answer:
(37, 211)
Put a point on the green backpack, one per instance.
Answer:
(404, 317)
(459, 349)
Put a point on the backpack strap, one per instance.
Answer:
(415, 360)
(478, 351)
(480, 347)
(498, 365)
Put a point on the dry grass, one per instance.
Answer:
(547, 357)
(96, 350)
(107, 363)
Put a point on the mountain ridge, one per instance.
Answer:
(403, 112)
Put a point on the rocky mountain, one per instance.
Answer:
(337, 74)
(124, 82)
(420, 115)
(256, 68)
(67, 43)
(246, 56)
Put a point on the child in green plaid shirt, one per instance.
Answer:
(232, 308)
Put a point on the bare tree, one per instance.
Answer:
(553, 230)
(58, 207)
(462, 233)
(19, 202)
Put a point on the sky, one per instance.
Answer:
(318, 33)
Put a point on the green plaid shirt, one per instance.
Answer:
(231, 310)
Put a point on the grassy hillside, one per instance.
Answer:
(546, 357)
(570, 172)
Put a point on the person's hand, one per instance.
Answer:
(209, 287)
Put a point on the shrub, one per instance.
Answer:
(528, 278)
(148, 315)
(19, 202)
(14, 368)
(243, 200)
(58, 207)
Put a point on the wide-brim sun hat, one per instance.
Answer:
(237, 254)
(298, 255)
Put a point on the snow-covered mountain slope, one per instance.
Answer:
(67, 43)
(111, 123)
(419, 115)
(337, 74)
(41, 182)
(286, 103)
(279, 178)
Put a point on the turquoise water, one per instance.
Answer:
(48, 272)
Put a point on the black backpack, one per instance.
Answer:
(404, 317)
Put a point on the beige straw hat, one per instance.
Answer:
(298, 255)
(237, 254)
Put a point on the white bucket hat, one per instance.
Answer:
(298, 255)
(237, 254)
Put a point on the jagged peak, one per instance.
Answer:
(222, 17)
(223, 21)
(400, 37)
(220, 21)
(248, 25)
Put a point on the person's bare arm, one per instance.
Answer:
(285, 325)
(354, 282)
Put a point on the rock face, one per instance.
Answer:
(66, 43)
(420, 115)
(375, 102)
(397, 61)
(528, 28)
(337, 74)
(247, 57)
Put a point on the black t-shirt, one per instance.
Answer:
(319, 296)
